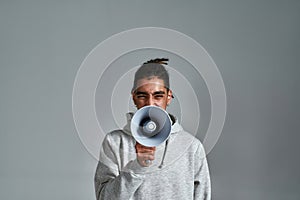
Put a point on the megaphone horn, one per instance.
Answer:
(151, 126)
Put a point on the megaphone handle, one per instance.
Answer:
(148, 162)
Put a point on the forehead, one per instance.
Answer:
(152, 83)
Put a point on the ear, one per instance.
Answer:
(132, 96)
(170, 95)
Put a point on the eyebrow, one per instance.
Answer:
(145, 93)
(159, 92)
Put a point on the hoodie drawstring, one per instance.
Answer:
(163, 158)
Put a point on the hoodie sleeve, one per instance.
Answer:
(202, 187)
(110, 182)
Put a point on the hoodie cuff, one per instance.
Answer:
(134, 167)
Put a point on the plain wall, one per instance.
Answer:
(255, 45)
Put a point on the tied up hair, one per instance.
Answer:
(153, 68)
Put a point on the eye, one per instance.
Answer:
(158, 96)
(141, 96)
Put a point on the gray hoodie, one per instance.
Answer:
(179, 171)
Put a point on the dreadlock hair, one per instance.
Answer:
(153, 68)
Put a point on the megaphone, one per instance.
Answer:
(151, 126)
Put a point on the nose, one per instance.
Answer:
(150, 101)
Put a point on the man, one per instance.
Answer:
(176, 169)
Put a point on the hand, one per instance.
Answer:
(145, 155)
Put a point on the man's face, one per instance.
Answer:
(151, 92)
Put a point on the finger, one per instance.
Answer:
(139, 146)
(142, 150)
(142, 156)
(146, 151)
(150, 157)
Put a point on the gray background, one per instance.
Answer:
(254, 43)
